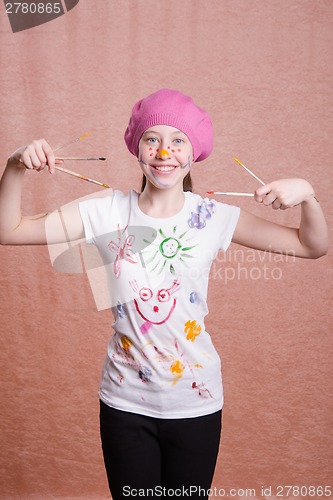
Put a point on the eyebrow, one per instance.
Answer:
(156, 132)
(150, 132)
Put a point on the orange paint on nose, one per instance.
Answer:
(164, 153)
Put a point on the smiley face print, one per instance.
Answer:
(155, 307)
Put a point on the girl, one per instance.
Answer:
(161, 390)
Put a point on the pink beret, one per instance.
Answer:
(170, 107)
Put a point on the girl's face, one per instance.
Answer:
(165, 156)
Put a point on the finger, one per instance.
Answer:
(261, 192)
(30, 159)
(26, 162)
(40, 152)
(265, 194)
(49, 155)
(42, 155)
(269, 199)
(276, 204)
(42, 166)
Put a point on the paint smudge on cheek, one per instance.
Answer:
(141, 161)
(188, 164)
(173, 150)
(152, 152)
(158, 182)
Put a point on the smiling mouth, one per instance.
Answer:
(156, 322)
(164, 169)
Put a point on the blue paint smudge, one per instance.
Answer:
(195, 298)
(145, 373)
(188, 164)
(205, 211)
(196, 220)
(121, 311)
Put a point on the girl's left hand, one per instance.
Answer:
(284, 193)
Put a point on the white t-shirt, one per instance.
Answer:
(160, 360)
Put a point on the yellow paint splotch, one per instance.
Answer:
(192, 329)
(177, 369)
(126, 343)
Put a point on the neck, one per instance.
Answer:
(161, 202)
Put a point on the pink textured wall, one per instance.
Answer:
(264, 71)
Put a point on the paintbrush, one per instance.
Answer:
(71, 142)
(76, 158)
(249, 171)
(230, 193)
(83, 177)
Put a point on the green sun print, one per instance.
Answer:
(171, 248)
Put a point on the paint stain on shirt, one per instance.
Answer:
(192, 329)
(177, 369)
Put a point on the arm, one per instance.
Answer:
(30, 230)
(310, 240)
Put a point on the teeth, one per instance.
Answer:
(164, 169)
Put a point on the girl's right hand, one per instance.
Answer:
(36, 156)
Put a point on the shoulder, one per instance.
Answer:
(210, 206)
(106, 199)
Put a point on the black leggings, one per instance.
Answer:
(154, 454)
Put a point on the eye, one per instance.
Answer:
(163, 295)
(179, 141)
(145, 294)
(152, 140)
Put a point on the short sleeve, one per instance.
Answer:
(96, 214)
(226, 217)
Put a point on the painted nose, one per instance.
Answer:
(156, 309)
(163, 154)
